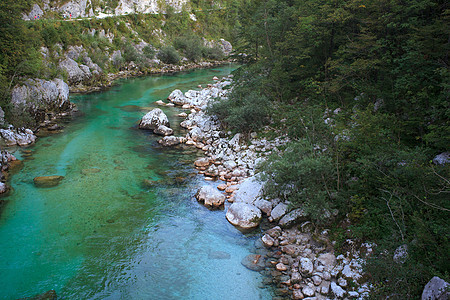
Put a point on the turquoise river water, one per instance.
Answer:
(101, 233)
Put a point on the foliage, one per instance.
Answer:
(385, 66)
(190, 45)
(246, 109)
(168, 55)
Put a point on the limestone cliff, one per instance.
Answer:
(101, 8)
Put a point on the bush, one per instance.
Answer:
(168, 55)
(149, 52)
(131, 54)
(190, 45)
(304, 176)
(243, 113)
(214, 53)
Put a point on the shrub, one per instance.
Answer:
(149, 52)
(190, 45)
(243, 113)
(214, 53)
(168, 55)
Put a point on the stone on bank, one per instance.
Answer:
(244, 215)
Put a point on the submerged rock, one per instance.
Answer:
(254, 262)
(90, 171)
(49, 295)
(47, 181)
(219, 255)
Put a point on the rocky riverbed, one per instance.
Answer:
(299, 261)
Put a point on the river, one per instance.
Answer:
(103, 234)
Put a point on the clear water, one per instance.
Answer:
(101, 234)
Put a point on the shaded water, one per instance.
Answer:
(102, 234)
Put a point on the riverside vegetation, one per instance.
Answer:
(360, 88)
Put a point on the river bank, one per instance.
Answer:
(297, 258)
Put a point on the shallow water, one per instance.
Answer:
(101, 233)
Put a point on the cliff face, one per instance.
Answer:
(86, 8)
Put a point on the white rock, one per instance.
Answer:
(342, 282)
(264, 205)
(210, 196)
(163, 130)
(279, 211)
(353, 294)
(249, 189)
(306, 266)
(309, 292)
(337, 290)
(244, 215)
(154, 119)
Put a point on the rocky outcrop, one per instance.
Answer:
(153, 119)
(75, 73)
(436, 289)
(88, 8)
(20, 136)
(38, 96)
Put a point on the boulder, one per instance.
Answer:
(254, 262)
(226, 47)
(169, 141)
(47, 181)
(328, 260)
(163, 130)
(436, 289)
(244, 215)
(264, 205)
(153, 119)
(178, 98)
(210, 196)
(196, 134)
(249, 190)
(279, 211)
(292, 218)
(309, 292)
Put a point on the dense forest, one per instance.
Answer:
(360, 87)
(362, 90)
